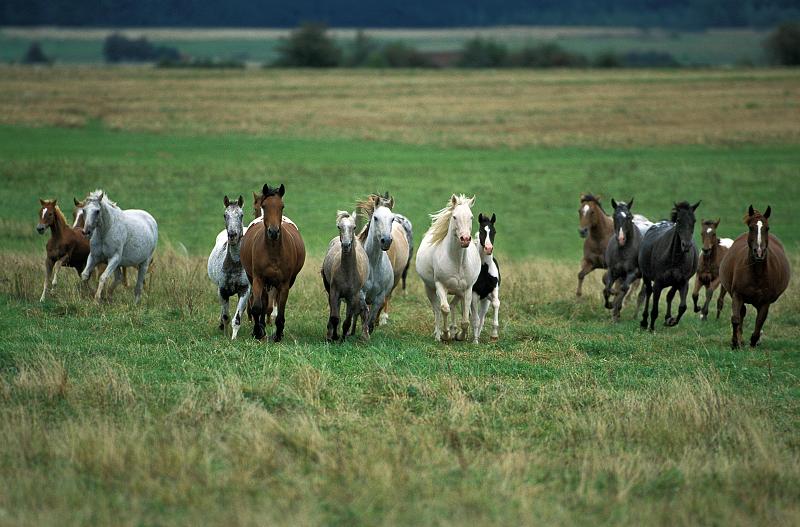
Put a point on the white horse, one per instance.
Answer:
(376, 237)
(120, 238)
(225, 267)
(449, 263)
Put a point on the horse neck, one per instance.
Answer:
(454, 249)
(372, 246)
(109, 215)
(233, 253)
(59, 225)
(602, 228)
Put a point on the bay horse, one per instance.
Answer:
(449, 264)
(622, 257)
(668, 258)
(225, 266)
(344, 272)
(596, 227)
(401, 249)
(486, 290)
(714, 250)
(66, 246)
(121, 238)
(272, 255)
(755, 271)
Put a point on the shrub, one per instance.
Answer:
(649, 59)
(309, 46)
(35, 55)
(480, 53)
(201, 63)
(783, 44)
(547, 55)
(399, 55)
(118, 48)
(607, 59)
(363, 47)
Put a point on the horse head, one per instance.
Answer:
(381, 222)
(589, 213)
(47, 214)
(461, 219)
(486, 232)
(709, 235)
(233, 219)
(272, 210)
(91, 209)
(346, 223)
(623, 220)
(78, 216)
(758, 235)
(683, 217)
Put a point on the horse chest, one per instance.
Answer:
(487, 281)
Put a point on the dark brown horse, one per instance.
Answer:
(755, 271)
(272, 255)
(714, 250)
(66, 247)
(597, 227)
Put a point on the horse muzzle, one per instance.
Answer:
(273, 233)
(386, 243)
(465, 241)
(706, 252)
(488, 249)
(41, 228)
(759, 255)
(234, 237)
(87, 232)
(621, 240)
(583, 232)
(686, 246)
(347, 247)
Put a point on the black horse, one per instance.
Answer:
(668, 258)
(622, 256)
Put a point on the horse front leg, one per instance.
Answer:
(433, 298)
(465, 309)
(761, 317)
(383, 318)
(223, 314)
(59, 263)
(657, 288)
(709, 295)
(496, 309)
(646, 291)
(351, 310)
(111, 266)
(333, 316)
(444, 309)
(608, 282)
(670, 295)
(737, 318)
(364, 314)
(683, 291)
(240, 307)
(623, 291)
(91, 263)
(696, 293)
(586, 268)
(280, 320)
(48, 269)
(137, 291)
(257, 307)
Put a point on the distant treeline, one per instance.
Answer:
(678, 14)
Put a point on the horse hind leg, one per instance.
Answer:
(48, 269)
(654, 311)
(240, 307)
(668, 318)
(586, 268)
(721, 300)
(738, 311)
(646, 292)
(137, 291)
(433, 298)
(709, 295)
(224, 319)
(496, 314)
(696, 293)
(332, 333)
(383, 318)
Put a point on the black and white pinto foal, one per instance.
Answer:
(486, 290)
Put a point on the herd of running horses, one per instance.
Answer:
(260, 262)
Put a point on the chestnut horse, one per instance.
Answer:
(597, 227)
(755, 271)
(66, 246)
(714, 250)
(272, 255)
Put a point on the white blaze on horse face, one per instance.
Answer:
(623, 215)
(621, 237)
(77, 217)
(44, 211)
(708, 230)
(585, 210)
(759, 248)
(488, 247)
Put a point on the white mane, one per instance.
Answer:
(440, 221)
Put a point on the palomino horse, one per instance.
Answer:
(225, 266)
(486, 290)
(597, 227)
(622, 256)
(121, 238)
(399, 251)
(377, 239)
(66, 246)
(668, 257)
(344, 272)
(755, 271)
(272, 255)
(449, 264)
(714, 250)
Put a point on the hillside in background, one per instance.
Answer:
(412, 13)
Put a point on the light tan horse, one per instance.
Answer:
(714, 250)
(755, 271)
(272, 254)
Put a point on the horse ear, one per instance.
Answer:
(768, 211)
(41, 202)
(613, 203)
(694, 207)
(255, 196)
(281, 190)
(716, 223)
(54, 201)
(386, 195)
(480, 217)
(750, 211)
(630, 204)
(241, 201)
(494, 218)
(453, 200)
(226, 201)
(391, 202)
(472, 201)
(265, 190)
(75, 200)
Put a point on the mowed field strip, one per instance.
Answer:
(116, 414)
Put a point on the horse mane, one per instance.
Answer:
(683, 205)
(440, 221)
(709, 223)
(60, 215)
(593, 199)
(271, 191)
(341, 214)
(365, 208)
(97, 194)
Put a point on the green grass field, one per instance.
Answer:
(123, 414)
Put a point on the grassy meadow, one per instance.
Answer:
(128, 415)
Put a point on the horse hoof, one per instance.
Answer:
(670, 322)
(494, 338)
(607, 305)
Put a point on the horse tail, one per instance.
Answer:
(407, 227)
(325, 281)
